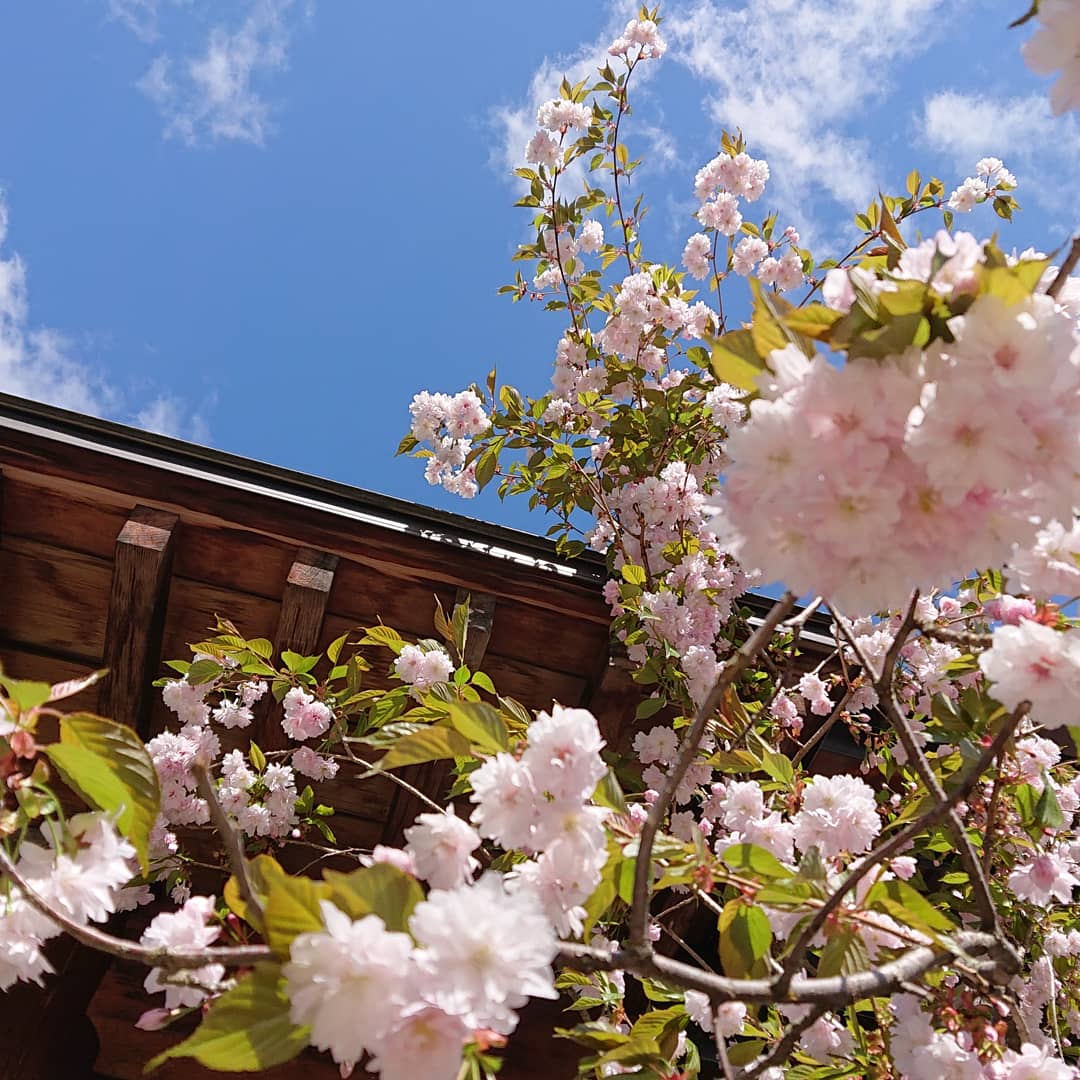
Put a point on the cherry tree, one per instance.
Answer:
(894, 436)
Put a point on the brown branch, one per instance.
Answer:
(1067, 267)
(984, 952)
(783, 1048)
(984, 901)
(639, 908)
(956, 636)
(234, 846)
(899, 841)
(169, 959)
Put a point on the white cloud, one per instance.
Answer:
(38, 363)
(517, 123)
(167, 415)
(1039, 147)
(797, 76)
(214, 95)
(139, 16)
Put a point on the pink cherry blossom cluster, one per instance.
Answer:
(190, 929)
(1054, 48)
(449, 424)
(260, 800)
(991, 177)
(422, 668)
(263, 803)
(1051, 565)
(1038, 664)
(920, 1050)
(304, 716)
(85, 885)
(540, 803)
(951, 453)
(476, 953)
(640, 40)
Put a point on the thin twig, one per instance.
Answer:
(169, 959)
(985, 952)
(721, 1053)
(899, 841)
(783, 1048)
(392, 776)
(736, 664)
(1067, 268)
(234, 846)
(824, 728)
(957, 636)
(984, 901)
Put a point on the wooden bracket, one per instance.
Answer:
(431, 776)
(142, 567)
(304, 601)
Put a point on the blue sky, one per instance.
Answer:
(263, 224)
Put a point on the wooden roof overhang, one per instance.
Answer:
(119, 547)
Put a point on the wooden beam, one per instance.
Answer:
(613, 697)
(432, 777)
(304, 600)
(138, 597)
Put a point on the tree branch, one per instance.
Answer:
(639, 909)
(1067, 267)
(984, 952)
(230, 836)
(900, 724)
(170, 960)
(899, 841)
(783, 1048)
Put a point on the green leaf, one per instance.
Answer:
(898, 899)
(844, 954)
(202, 672)
(649, 707)
(892, 338)
(779, 767)
(246, 1030)
(291, 905)
(427, 744)
(755, 861)
(261, 646)
(735, 360)
(813, 321)
(26, 694)
(383, 635)
(632, 574)
(742, 1053)
(1047, 809)
(608, 793)
(766, 329)
(486, 465)
(333, 650)
(107, 764)
(1013, 284)
(907, 298)
(483, 681)
(297, 663)
(381, 890)
(745, 938)
(256, 757)
(480, 724)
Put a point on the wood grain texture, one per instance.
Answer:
(433, 778)
(305, 597)
(138, 595)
